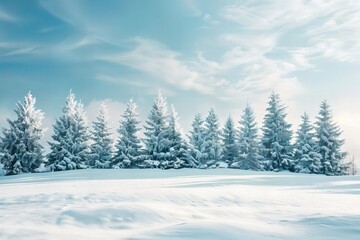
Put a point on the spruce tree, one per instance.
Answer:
(230, 151)
(211, 146)
(306, 157)
(20, 146)
(156, 134)
(128, 148)
(328, 142)
(249, 146)
(101, 148)
(277, 149)
(196, 139)
(69, 148)
(179, 156)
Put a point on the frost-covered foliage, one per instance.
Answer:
(157, 143)
(277, 149)
(102, 146)
(211, 146)
(128, 148)
(317, 148)
(179, 156)
(69, 149)
(249, 146)
(328, 142)
(21, 151)
(196, 139)
(306, 157)
(230, 151)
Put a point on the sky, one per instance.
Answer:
(200, 53)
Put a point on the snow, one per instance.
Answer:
(178, 204)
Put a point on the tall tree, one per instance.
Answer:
(196, 139)
(156, 139)
(249, 146)
(128, 148)
(69, 149)
(211, 145)
(230, 151)
(306, 157)
(20, 146)
(102, 146)
(328, 141)
(277, 149)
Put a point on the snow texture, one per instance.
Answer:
(178, 204)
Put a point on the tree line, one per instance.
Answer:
(316, 149)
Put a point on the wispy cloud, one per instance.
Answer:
(157, 60)
(7, 17)
(325, 27)
(121, 80)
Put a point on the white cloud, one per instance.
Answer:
(157, 60)
(329, 28)
(7, 17)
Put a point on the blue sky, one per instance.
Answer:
(202, 54)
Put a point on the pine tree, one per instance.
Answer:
(196, 138)
(20, 146)
(249, 146)
(230, 151)
(276, 137)
(69, 149)
(179, 156)
(211, 146)
(156, 139)
(328, 142)
(101, 148)
(128, 148)
(306, 157)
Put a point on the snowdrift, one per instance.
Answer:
(178, 204)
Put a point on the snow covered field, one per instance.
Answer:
(178, 204)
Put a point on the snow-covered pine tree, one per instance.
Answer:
(249, 145)
(20, 146)
(179, 155)
(196, 139)
(157, 143)
(211, 146)
(102, 146)
(230, 151)
(69, 149)
(328, 142)
(128, 148)
(277, 149)
(306, 157)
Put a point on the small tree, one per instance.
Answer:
(249, 146)
(196, 138)
(211, 146)
(328, 142)
(128, 148)
(69, 149)
(230, 151)
(306, 157)
(179, 155)
(20, 147)
(277, 149)
(102, 146)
